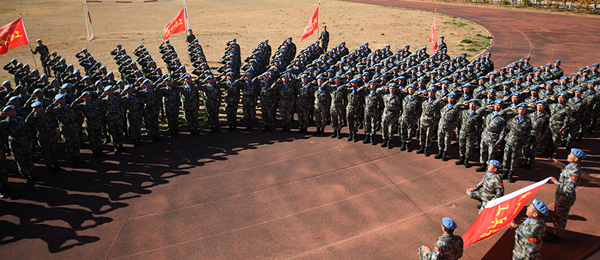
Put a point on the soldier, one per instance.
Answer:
(46, 136)
(528, 236)
(324, 37)
(448, 246)
(93, 125)
(411, 110)
(430, 108)
(356, 98)
(151, 108)
(170, 94)
(67, 117)
(133, 105)
(565, 195)
(519, 133)
(304, 101)
(190, 99)
(593, 101)
(19, 141)
(490, 187)
(338, 97)
(267, 101)
(44, 56)
(373, 108)
(190, 36)
(211, 94)
(232, 100)
(286, 91)
(493, 132)
(539, 129)
(391, 112)
(470, 122)
(578, 107)
(250, 89)
(560, 116)
(448, 120)
(322, 102)
(113, 108)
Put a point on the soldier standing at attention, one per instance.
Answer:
(267, 101)
(287, 92)
(565, 195)
(470, 121)
(67, 117)
(373, 104)
(19, 141)
(170, 94)
(322, 103)
(114, 120)
(356, 99)
(211, 94)
(250, 90)
(324, 37)
(133, 105)
(391, 112)
(411, 110)
(539, 129)
(338, 95)
(528, 236)
(304, 101)
(519, 131)
(190, 99)
(44, 56)
(91, 112)
(46, 136)
(560, 116)
(448, 245)
(448, 120)
(151, 109)
(490, 187)
(190, 36)
(430, 108)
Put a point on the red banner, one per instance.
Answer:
(433, 35)
(175, 26)
(12, 35)
(499, 213)
(312, 26)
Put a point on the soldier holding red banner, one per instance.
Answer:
(490, 187)
(448, 245)
(528, 242)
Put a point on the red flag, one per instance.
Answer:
(175, 26)
(433, 35)
(313, 24)
(499, 213)
(12, 35)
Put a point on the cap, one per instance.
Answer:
(562, 94)
(540, 206)
(8, 108)
(13, 98)
(491, 90)
(579, 153)
(474, 100)
(36, 104)
(521, 105)
(449, 223)
(501, 102)
(107, 88)
(66, 85)
(451, 94)
(541, 102)
(496, 163)
(59, 96)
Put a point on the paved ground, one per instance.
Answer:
(264, 196)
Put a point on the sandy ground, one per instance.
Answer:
(61, 24)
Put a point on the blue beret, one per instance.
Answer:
(66, 85)
(401, 78)
(85, 93)
(541, 102)
(211, 76)
(37, 90)
(496, 163)
(373, 81)
(501, 69)
(562, 94)
(337, 77)
(146, 81)
(595, 64)
(304, 76)
(107, 88)
(5, 82)
(474, 100)
(549, 82)
(98, 82)
(526, 58)
(19, 86)
(482, 77)
(591, 81)
(365, 74)
(511, 66)
(59, 96)
(468, 85)
(392, 85)
(579, 153)
(491, 90)
(13, 98)
(507, 83)
(445, 82)
(449, 223)
(557, 61)
(494, 73)
(127, 87)
(522, 105)
(8, 108)
(578, 89)
(410, 86)
(499, 101)
(516, 94)
(540, 206)
(36, 104)
(451, 94)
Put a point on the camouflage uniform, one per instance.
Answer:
(171, 103)
(593, 101)
(518, 135)
(539, 129)
(470, 122)
(114, 120)
(19, 141)
(356, 99)
(391, 113)
(190, 100)
(411, 109)
(489, 188)
(133, 105)
(493, 132)
(322, 103)
(448, 120)
(93, 127)
(430, 109)
(267, 104)
(373, 109)
(560, 116)
(578, 108)
(338, 95)
(249, 96)
(304, 103)
(448, 247)
(565, 196)
(286, 101)
(232, 100)
(46, 136)
(528, 239)
(67, 117)
(151, 108)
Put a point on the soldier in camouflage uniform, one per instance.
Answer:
(490, 187)
(448, 246)
(392, 103)
(373, 108)
(67, 117)
(560, 116)
(267, 101)
(190, 100)
(152, 104)
(430, 108)
(493, 132)
(356, 99)
(593, 103)
(19, 141)
(578, 107)
(470, 120)
(133, 104)
(287, 92)
(232, 100)
(322, 103)
(46, 136)
(539, 129)
(448, 120)
(565, 195)
(528, 236)
(91, 112)
(250, 89)
(113, 108)
(337, 110)
(304, 101)
(211, 94)
(519, 131)
(411, 110)
(170, 94)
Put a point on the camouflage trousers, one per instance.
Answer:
(115, 129)
(444, 139)
(48, 145)
(562, 206)
(370, 123)
(21, 151)
(172, 116)
(426, 132)
(423, 255)
(134, 123)
(487, 150)
(531, 149)
(478, 195)
(212, 115)
(285, 111)
(94, 135)
(353, 119)
(3, 170)
(249, 112)
(303, 115)
(231, 111)
(71, 138)
(466, 142)
(151, 121)
(388, 125)
(268, 114)
(557, 138)
(191, 117)
(407, 129)
(337, 118)
(511, 155)
(321, 116)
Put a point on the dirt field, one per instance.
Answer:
(61, 24)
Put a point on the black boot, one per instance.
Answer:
(265, 129)
(354, 138)
(510, 177)
(384, 143)
(407, 147)
(481, 168)
(460, 161)
(467, 165)
(57, 168)
(421, 149)
(373, 140)
(74, 162)
(425, 152)
(367, 139)
(334, 134)
(528, 166)
(505, 175)
(349, 137)
(402, 145)
(3, 191)
(389, 145)
(444, 158)
(439, 155)
(339, 135)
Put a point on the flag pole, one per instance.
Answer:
(187, 15)
(318, 31)
(27, 36)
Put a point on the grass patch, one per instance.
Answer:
(466, 41)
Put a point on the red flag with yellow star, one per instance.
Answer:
(313, 24)
(12, 35)
(175, 26)
(433, 34)
(499, 213)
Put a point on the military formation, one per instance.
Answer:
(508, 114)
